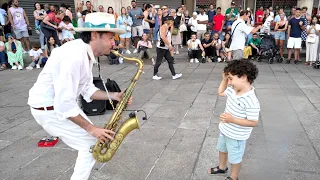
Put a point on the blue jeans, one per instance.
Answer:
(3, 58)
(44, 60)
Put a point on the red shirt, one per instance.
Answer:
(218, 22)
(53, 18)
(259, 16)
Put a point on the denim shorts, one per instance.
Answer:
(234, 148)
(280, 35)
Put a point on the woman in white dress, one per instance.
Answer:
(176, 37)
(80, 22)
(312, 41)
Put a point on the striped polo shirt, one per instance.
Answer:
(245, 106)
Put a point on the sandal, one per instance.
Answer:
(217, 170)
(229, 178)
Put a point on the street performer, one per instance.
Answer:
(67, 74)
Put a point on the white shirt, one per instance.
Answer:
(34, 53)
(194, 24)
(64, 31)
(66, 75)
(246, 106)
(240, 34)
(201, 17)
(195, 44)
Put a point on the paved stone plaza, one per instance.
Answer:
(178, 140)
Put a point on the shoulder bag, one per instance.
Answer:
(228, 44)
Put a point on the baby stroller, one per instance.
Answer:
(269, 49)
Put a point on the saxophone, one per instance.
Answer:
(104, 152)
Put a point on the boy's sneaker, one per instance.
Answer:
(20, 67)
(191, 60)
(135, 51)
(156, 77)
(38, 66)
(196, 60)
(14, 67)
(29, 68)
(219, 59)
(128, 52)
(176, 76)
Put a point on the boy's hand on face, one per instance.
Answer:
(226, 117)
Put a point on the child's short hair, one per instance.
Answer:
(66, 19)
(36, 45)
(206, 33)
(242, 67)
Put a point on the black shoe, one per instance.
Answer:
(296, 62)
(288, 61)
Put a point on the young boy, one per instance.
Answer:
(193, 48)
(241, 114)
(35, 54)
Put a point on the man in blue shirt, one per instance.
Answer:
(211, 13)
(295, 27)
(136, 29)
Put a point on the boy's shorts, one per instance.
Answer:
(234, 148)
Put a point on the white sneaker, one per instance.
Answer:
(181, 46)
(29, 68)
(38, 66)
(20, 67)
(191, 60)
(176, 76)
(219, 59)
(128, 52)
(156, 77)
(177, 52)
(14, 67)
(120, 60)
(196, 60)
(153, 62)
(135, 51)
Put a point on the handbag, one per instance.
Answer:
(128, 28)
(175, 31)
(228, 44)
(46, 26)
(183, 27)
(311, 38)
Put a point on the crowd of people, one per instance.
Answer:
(209, 34)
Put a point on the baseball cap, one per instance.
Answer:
(233, 3)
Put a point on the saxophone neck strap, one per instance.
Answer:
(94, 60)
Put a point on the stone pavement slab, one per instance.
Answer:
(178, 141)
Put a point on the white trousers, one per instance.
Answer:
(72, 135)
(312, 50)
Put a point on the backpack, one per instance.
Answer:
(112, 86)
